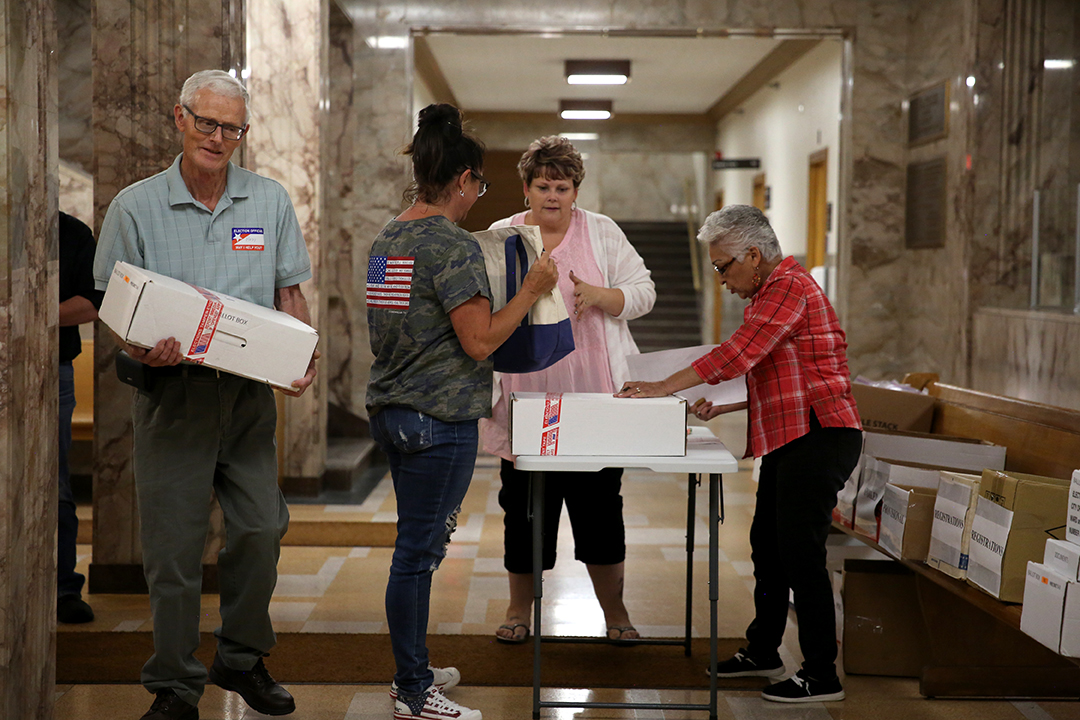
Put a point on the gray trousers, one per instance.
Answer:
(193, 434)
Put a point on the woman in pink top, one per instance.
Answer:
(606, 285)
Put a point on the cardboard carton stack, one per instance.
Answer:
(910, 459)
(1051, 589)
(954, 509)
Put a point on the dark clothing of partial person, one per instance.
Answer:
(796, 494)
(593, 502)
(76, 279)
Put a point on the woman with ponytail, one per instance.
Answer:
(432, 332)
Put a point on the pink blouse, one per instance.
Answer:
(585, 370)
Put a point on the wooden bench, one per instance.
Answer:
(975, 646)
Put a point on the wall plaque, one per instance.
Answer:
(928, 116)
(925, 211)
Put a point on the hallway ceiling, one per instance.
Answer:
(524, 73)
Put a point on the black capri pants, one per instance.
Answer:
(593, 502)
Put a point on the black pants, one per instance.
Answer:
(796, 494)
(592, 501)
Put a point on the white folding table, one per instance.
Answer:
(704, 454)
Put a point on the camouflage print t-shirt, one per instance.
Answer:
(420, 270)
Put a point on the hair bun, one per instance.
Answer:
(440, 113)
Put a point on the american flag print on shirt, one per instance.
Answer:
(389, 281)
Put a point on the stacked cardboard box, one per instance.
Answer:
(907, 515)
(1014, 515)
(954, 509)
(1051, 612)
(907, 458)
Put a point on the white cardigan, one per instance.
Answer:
(622, 268)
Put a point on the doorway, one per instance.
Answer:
(817, 209)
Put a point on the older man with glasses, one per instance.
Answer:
(197, 430)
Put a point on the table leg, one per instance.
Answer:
(715, 518)
(691, 509)
(536, 480)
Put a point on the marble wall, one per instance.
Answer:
(142, 53)
(344, 203)
(381, 127)
(75, 81)
(28, 346)
(287, 56)
(1027, 354)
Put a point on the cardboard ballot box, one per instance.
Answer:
(596, 424)
(1014, 515)
(1051, 612)
(876, 477)
(927, 450)
(907, 514)
(886, 409)
(1072, 523)
(883, 630)
(1063, 557)
(213, 329)
(954, 509)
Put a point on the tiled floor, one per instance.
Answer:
(340, 590)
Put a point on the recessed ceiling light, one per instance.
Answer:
(597, 72)
(580, 136)
(1058, 64)
(387, 42)
(585, 109)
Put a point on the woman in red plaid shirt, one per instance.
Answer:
(804, 426)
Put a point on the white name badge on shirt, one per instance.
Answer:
(247, 239)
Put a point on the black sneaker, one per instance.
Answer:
(741, 665)
(260, 691)
(801, 688)
(169, 706)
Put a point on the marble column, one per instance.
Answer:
(142, 53)
(288, 46)
(342, 208)
(382, 127)
(28, 347)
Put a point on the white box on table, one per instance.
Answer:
(596, 424)
(214, 329)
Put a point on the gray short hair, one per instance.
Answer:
(218, 82)
(737, 228)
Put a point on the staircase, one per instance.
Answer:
(675, 320)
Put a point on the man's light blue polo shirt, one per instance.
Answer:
(247, 247)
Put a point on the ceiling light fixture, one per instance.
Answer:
(1058, 64)
(387, 42)
(579, 136)
(597, 72)
(585, 109)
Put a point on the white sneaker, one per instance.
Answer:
(445, 679)
(434, 706)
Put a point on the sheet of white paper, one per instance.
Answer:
(654, 366)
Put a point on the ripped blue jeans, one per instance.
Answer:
(431, 462)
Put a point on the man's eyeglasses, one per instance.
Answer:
(207, 126)
(722, 270)
(484, 184)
